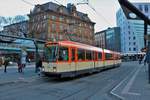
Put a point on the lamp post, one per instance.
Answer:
(147, 37)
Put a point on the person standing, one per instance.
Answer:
(19, 65)
(23, 58)
(140, 59)
(1, 61)
(6, 62)
(39, 65)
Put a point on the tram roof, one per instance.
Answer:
(80, 45)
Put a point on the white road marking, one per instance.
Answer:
(117, 86)
(130, 83)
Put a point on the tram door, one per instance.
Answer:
(73, 59)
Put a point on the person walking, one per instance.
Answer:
(144, 60)
(1, 61)
(23, 59)
(140, 59)
(39, 66)
(19, 64)
(6, 62)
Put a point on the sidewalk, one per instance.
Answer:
(135, 85)
(12, 74)
(16, 66)
(141, 88)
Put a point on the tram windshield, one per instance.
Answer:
(51, 53)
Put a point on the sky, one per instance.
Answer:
(104, 17)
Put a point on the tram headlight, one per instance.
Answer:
(43, 68)
(54, 69)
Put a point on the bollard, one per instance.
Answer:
(148, 60)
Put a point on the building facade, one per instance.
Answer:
(132, 29)
(109, 39)
(17, 29)
(100, 39)
(55, 22)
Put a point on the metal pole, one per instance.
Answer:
(148, 52)
(148, 61)
(145, 32)
(36, 56)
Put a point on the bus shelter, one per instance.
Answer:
(13, 49)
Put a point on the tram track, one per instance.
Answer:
(20, 85)
(94, 87)
(96, 84)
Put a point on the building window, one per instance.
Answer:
(134, 43)
(61, 18)
(67, 20)
(129, 43)
(54, 17)
(129, 49)
(61, 27)
(129, 38)
(146, 8)
(140, 7)
(128, 27)
(129, 32)
(53, 27)
(134, 49)
(134, 38)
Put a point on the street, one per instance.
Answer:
(113, 84)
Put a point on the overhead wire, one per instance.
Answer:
(99, 14)
(29, 3)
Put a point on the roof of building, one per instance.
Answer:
(50, 6)
(103, 31)
(18, 23)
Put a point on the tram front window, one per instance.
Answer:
(51, 53)
(63, 54)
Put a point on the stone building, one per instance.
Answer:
(55, 22)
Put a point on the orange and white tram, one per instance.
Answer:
(69, 59)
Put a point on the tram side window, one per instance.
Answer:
(89, 55)
(81, 54)
(108, 56)
(99, 55)
(73, 55)
(95, 56)
(63, 54)
(116, 57)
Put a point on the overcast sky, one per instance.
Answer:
(104, 18)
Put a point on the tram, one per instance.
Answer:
(69, 59)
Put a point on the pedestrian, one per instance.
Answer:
(144, 59)
(1, 61)
(19, 65)
(23, 60)
(39, 66)
(6, 62)
(140, 59)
